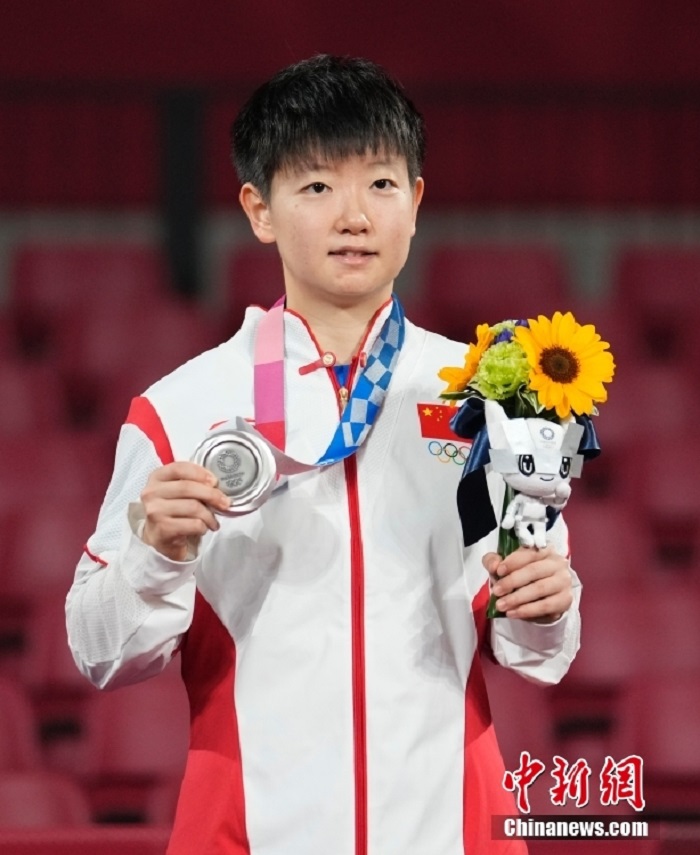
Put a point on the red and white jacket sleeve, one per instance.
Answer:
(128, 605)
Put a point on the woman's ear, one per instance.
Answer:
(258, 212)
(418, 189)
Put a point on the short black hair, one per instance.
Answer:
(327, 106)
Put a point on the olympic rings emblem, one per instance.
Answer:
(449, 452)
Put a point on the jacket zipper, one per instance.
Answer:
(357, 607)
(357, 571)
(357, 599)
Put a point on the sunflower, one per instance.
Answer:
(568, 363)
(458, 378)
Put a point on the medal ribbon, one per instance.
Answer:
(365, 401)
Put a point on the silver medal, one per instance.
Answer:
(243, 466)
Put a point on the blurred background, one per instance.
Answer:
(562, 173)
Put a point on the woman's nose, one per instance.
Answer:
(352, 217)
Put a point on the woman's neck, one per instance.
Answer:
(338, 329)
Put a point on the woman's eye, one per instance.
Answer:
(383, 183)
(316, 187)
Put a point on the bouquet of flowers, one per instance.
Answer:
(528, 391)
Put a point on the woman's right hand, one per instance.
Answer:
(178, 500)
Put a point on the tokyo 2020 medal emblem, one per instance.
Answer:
(243, 466)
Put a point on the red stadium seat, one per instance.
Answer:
(136, 743)
(85, 840)
(672, 639)
(51, 283)
(132, 345)
(586, 699)
(53, 465)
(46, 545)
(41, 799)
(658, 288)
(525, 719)
(19, 744)
(60, 693)
(47, 666)
(43, 534)
(649, 405)
(663, 479)
(659, 722)
(610, 544)
(140, 729)
(465, 285)
(252, 276)
(50, 492)
(628, 632)
(648, 400)
(32, 397)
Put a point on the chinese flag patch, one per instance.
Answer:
(435, 421)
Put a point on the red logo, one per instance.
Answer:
(619, 781)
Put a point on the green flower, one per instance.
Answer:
(496, 329)
(503, 368)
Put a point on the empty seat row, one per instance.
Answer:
(655, 718)
(130, 755)
(650, 308)
(130, 746)
(460, 284)
(42, 798)
(49, 466)
(126, 748)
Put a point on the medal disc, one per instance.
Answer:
(243, 466)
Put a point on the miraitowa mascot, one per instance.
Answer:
(537, 458)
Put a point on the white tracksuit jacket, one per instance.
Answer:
(330, 640)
